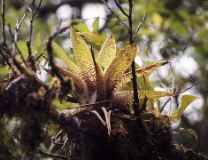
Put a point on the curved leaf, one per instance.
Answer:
(107, 53)
(126, 97)
(140, 72)
(93, 38)
(84, 59)
(119, 65)
(101, 89)
(63, 56)
(185, 101)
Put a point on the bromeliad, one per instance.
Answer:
(102, 78)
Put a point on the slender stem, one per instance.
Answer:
(121, 9)
(140, 25)
(3, 22)
(134, 76)
(34, 12)
(113, 13)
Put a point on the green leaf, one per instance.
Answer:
(92, 38)
(38, 41)
(23, 48)
(107, 53)
(63, 56)
(4, 70)
(84, 59)
(95, 25)
(185, 101)
(82, 27)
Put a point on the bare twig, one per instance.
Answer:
(15, 46)
(16, 33)
(162, 108)
(34, 12)
(3, 22)
(65, 84)
(96, 104)
(140, 25)
(50, 53)
(134, 76)
(178, 92)
(113, 13)
(121, 9)
(15, 37)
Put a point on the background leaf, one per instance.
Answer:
(185, 101)
(63, 56)
(95, 25)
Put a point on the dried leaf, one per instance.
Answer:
(124, 98)
(107, 53)
(128, 95)
(84, 59)
(185, 101)
(119, 65)
(100, 84)
(140, 72)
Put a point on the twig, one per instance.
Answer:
(3, 23)
(34, 12)
(16, 46)
(96, 104)
(65, 84)
(162, 108)
(140, 25)
(121, 9)
(16, 33)
(15, 38)
(188, 88)
(177, 94)
(113, 13)
(134, 76)
(57, 156)
(50, 53)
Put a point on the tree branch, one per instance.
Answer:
(113, 13)
(3, 22)
(140, 25)
(134, 76)
(34, 12)
(121, 9)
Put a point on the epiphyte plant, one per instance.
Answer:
(98, 78)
